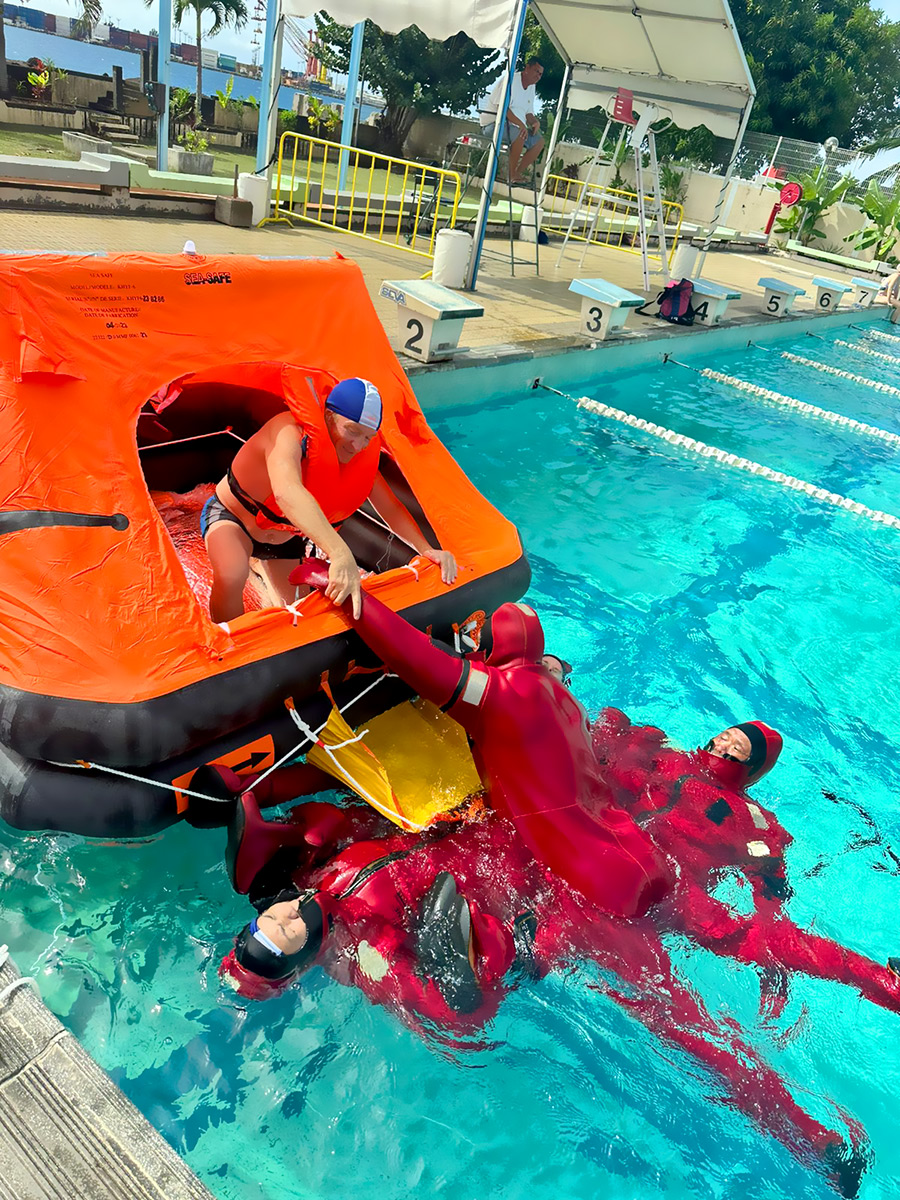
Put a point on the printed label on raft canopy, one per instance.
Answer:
(112, 307)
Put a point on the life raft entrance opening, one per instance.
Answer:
(187, 436)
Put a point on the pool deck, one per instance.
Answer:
(528, 313)
(66, 1131)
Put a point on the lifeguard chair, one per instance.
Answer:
(637, 129)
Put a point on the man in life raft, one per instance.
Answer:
(288, 488)
(531, 745)
(696, 809)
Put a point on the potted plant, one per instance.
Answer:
(190, 157)
(883, 230)
(228, 111)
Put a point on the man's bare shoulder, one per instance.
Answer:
(281, 428)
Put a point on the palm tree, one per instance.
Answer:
(224, 12)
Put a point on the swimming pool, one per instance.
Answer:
(687, 594)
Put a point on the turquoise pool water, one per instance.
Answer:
(685, 593)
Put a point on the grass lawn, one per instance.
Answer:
(32, 143)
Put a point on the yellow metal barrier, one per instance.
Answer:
(606, 216)
(384, 199)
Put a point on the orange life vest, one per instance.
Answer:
(339, 488)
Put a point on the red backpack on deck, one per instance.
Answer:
(674, 303)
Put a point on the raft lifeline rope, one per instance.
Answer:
(806, 410)
(730, 460)
(170, 787)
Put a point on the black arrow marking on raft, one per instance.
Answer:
(39, 518)
(256, 757)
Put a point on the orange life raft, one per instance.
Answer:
(125, 384)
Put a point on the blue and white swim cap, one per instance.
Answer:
(357, 400)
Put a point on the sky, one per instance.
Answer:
(134, 14)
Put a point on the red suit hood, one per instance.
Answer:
(517, 637)
(764, 755)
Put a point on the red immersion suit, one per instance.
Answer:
(696, 808)
(532, 747)
(372, 945)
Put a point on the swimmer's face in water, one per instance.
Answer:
(731, 743)
(348, 437)
(554, 666)
(282, 924)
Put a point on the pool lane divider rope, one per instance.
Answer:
(859, 349)
(726, 459)
(830, 370)
(879, 334)
(789, 402)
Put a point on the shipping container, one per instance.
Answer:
(188, 52)
(100, 34)
(227, 62)
(139, 41)
(210, 58)
(49, 23)
(64, 26)
(12, 13)
(118, 37)
(32, 18)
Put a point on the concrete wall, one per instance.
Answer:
(430, 136)
(31, 116)
(80, 91)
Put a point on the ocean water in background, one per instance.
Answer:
(688, 595)
(70, 54)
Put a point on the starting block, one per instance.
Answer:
(829, 292)
(431, 317)
(604, 307)
(714, 301)
(779, 296)
(866, 291)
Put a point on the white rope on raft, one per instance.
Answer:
(818, 366)
(858, 349)
(807, 410)
(734, 460)
(170, 787)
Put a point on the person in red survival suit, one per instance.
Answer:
(430, 925)
(532, 747)
(379, 909)
(696, 808)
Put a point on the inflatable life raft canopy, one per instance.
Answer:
(127, 383)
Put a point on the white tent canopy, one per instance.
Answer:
(684, 55)
(487, 22)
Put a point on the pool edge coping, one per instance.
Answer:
(508, 368)
(88, 1139)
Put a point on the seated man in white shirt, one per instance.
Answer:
(522, 126)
